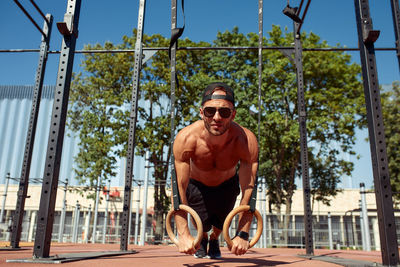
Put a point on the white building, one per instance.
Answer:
(15, 108)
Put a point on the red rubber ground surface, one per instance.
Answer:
(163, 255)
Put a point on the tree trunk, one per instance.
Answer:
(286, 221)
(158, 233)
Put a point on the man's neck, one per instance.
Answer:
(217, 140)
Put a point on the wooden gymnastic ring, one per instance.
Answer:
(196, 218)
(228, 221)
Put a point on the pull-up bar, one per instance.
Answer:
(99, 51)
(30, 17)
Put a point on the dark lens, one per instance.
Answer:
(224, 112)
(209, 111)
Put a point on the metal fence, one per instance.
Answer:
(344, 232)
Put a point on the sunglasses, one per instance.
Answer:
(209, 112)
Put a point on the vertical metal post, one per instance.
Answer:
(260, 204)
(260, 63)
(383, 191)
(30, 138)
(364, 211)
(132, 127)
(362, 225)
(3, 205)
(173, 70)
(137, 215)
(396, 24)
(298, 49)
(96, 208)
(57, 127)
(260, 60)
(76, 222)
(106, 215)
(330, 231)
(264, 209)
(87, 224)
(63, 211)
(144, 208)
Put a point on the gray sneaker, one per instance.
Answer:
(213, 251)
(202, 251)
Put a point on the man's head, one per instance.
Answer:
(211, 88)
(218, 108)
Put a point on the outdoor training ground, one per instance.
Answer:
(163, 255)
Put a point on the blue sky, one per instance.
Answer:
(100, 21)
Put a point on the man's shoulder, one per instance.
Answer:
(243, 131)
(186, 141)
(190, 133)
(247, 138)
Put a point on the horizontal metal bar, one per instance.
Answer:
(39, 10)
(30, 18)
(304, 14)
(196, 48)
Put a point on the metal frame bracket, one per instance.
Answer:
(66, 27)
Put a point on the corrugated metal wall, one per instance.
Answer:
(15, 108)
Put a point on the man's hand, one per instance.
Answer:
(240, 246)
(186, 244)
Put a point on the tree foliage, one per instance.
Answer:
(391, 115)
(95, 98)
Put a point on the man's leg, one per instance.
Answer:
(196, 202)
(213, 251)
(202, 251)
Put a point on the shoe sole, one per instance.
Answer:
(198, 257)
(214, 258)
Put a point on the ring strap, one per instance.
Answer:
(175, 34)
(253, 198)
(175, 191)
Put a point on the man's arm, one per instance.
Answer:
(247, 176)
(182, 168)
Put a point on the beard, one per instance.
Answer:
(216, 130)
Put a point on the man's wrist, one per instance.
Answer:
(243, 235)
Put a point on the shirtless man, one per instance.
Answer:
(207, 154)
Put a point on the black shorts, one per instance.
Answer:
(213, 203)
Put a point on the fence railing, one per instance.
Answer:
(342, 235)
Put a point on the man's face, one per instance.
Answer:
(217, 115)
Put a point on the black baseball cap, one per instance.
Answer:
(211, 88)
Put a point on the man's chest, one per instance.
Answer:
(224, 158)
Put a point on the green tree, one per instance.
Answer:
(391, 115)
(93, 98)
